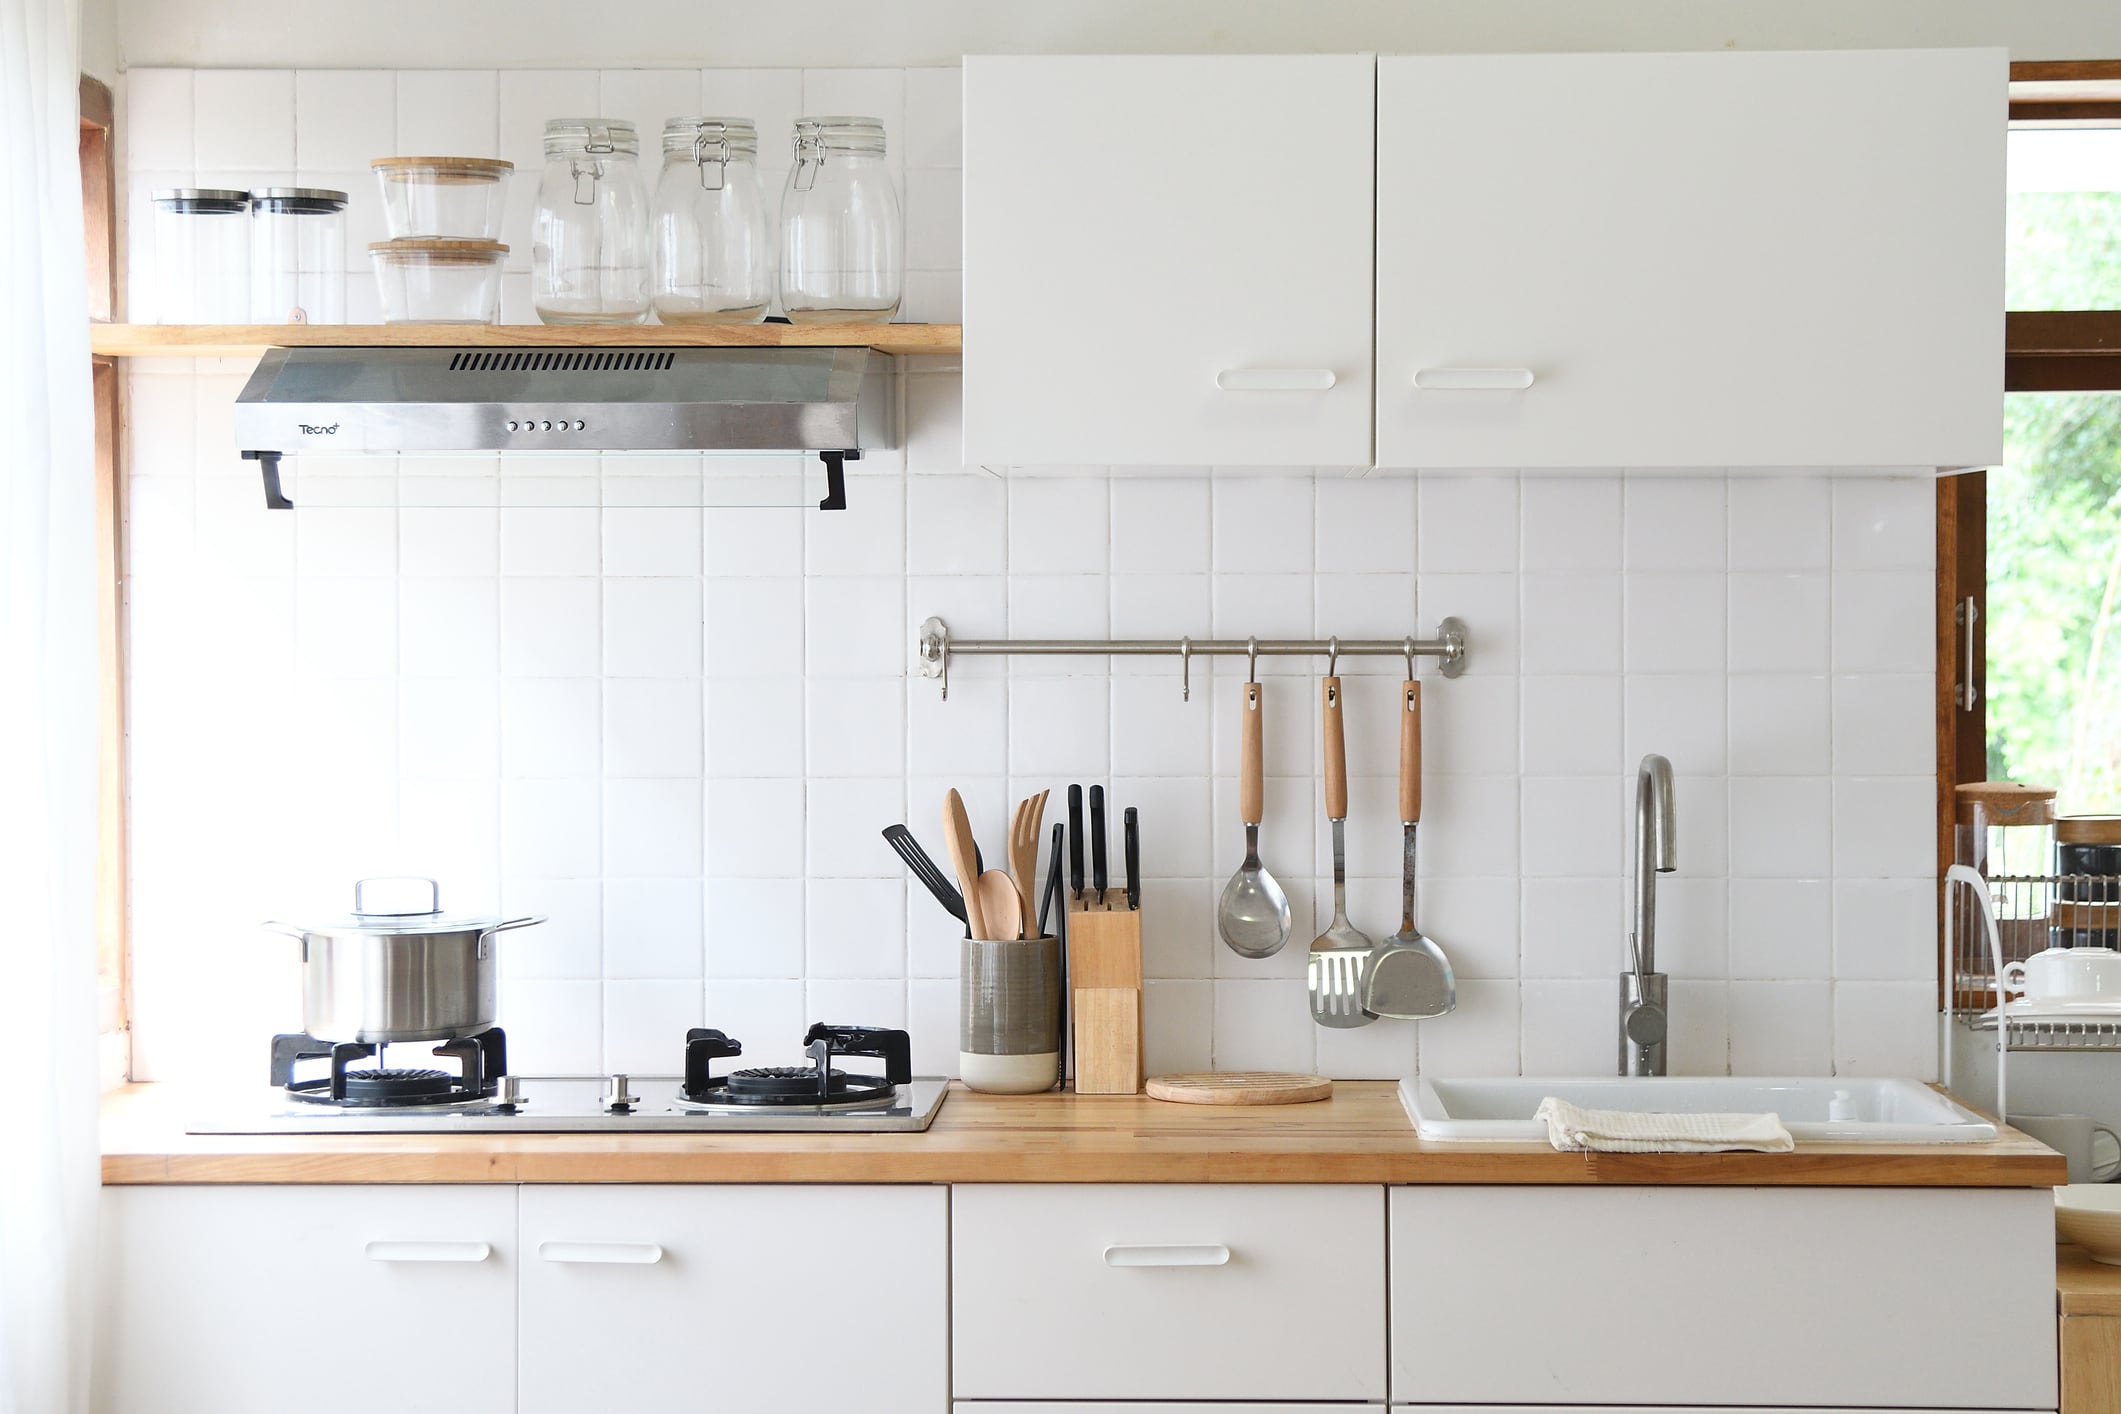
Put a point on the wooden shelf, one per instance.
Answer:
(250, 340)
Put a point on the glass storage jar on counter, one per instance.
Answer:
(2006, 832)
(423, 281)
(298, 256)
(448, 198)
(202, 256)
(842, 246)
(713, 262)
(589, 233)
(2088, 914)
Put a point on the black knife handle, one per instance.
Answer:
(1130, 828)
(1097, 841)
(1075, 841)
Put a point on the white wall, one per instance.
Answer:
(680, 733)
(730, 33)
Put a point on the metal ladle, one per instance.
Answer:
(1253, 914)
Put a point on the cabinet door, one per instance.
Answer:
(263, 1299)
(1827, 1297)
(1167, 260)
(764, 1300)
(1697, 260)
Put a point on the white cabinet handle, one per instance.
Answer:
(1274, 380)
(1204, 1254)
(630, 1253)
(428, 1251)
(1473, 380)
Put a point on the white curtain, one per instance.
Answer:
(48, 684)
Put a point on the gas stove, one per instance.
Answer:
(345, 1097)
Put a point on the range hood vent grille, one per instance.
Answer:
(562, 361)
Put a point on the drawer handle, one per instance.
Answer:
(1275, 380)
(608, 1253)
(1201, 1254)
(428, 1251)
(1473, 380)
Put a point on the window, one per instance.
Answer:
(100, 221)
(2028, 631)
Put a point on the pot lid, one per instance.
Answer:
(404, 906)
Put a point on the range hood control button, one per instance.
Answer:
(511, 425)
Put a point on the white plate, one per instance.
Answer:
(2058, 1010)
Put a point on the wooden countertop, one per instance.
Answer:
(2085, 1287)
(1360, 1135)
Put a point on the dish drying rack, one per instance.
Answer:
(1979, 913)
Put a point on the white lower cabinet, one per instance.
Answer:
(1882, 1298)
(322, 1298)
(750, 1299)
(1168, 1292)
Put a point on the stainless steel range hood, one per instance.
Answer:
(831, 401)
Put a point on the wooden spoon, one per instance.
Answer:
(1001, 906)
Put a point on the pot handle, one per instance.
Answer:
(288, 928)
(523, 922)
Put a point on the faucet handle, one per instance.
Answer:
(1645, 1024)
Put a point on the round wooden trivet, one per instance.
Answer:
(1239, 1087)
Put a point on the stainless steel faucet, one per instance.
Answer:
(1644, 1017)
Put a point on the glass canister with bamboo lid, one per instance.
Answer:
(2006, 832)
(2088, 871)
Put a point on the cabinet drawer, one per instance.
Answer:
(1724, 1296)
(232, 1299)
(1098, 1291)
(676, 1282)
(1074, 1407)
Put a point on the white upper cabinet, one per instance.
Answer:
(1690, 260)
(1168, 260)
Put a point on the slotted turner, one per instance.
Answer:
(1338, 955)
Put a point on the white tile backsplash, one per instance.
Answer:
(678, 733)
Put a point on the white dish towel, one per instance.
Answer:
(1634, 1132)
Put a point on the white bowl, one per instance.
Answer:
(2089, 1214)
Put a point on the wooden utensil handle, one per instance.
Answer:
(1251, 791)
(1336, 753)
(1409, 752)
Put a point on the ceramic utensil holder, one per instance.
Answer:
(1105, 977)
(1008, 1029)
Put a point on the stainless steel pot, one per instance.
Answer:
(388, 972)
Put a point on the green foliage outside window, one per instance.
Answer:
(2054, 528)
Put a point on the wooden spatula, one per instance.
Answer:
(964, 854)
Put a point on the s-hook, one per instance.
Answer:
(1185, 669)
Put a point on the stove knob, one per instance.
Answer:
(510, 1095)
(618, 1097)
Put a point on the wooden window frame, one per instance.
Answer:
(100, 223)
(2044, 351)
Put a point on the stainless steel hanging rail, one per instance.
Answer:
(936, 647)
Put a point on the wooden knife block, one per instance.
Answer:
(1105, 981)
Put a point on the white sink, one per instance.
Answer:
(1880, 1111)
